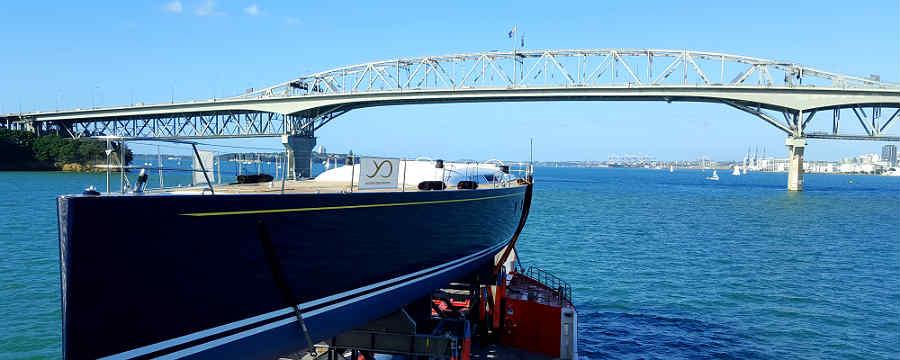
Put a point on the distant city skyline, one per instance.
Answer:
(144, 148)
(108, 53)
(882, 154)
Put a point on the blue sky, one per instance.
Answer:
(107, 52)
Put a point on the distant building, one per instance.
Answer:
(867, 159)
(775, 165)
(889, 154)
(703, 162)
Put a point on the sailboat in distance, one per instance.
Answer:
(737, 171)
(714, 177)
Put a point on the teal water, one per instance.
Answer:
(663, 265)
(667, 265)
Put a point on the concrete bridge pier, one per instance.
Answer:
(795, 147)
(299, 155)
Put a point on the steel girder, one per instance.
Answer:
(795, 123)
(585, 67)
(220, 124)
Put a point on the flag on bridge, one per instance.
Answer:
(523, 40)
(512, 32)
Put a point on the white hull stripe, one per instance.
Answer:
(147, 349)
(306, 315)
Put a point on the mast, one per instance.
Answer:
(159, 164)
(219, 167)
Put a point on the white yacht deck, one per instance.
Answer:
(309, 186)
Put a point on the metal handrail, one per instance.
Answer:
(560, 286)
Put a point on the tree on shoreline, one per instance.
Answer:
(22, 150)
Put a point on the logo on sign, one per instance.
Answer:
(379, 166)
(378, 173)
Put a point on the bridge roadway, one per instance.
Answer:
(296, 108)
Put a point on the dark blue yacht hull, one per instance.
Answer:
(197, 276)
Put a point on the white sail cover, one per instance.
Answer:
(412, 172)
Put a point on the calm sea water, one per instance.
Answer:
(663, 265)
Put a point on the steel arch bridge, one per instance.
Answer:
(788, 96)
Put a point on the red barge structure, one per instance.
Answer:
(522, 314)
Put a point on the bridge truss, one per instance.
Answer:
(638, 74)
(875, 123)
(603, 67)
(189, 125)
(591, 67)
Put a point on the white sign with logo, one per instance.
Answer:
(378, 173)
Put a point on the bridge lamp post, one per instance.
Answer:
(94, 96)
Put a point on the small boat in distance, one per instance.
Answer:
(737, 171)
(714, 177)
(671, 168)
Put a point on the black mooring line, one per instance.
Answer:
(277, 271)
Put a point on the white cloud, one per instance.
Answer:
(207, 9)
(253, 10)
(174, 7)
(291, 20)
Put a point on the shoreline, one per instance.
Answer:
(89, 169)
(68, 167)
(696, 169)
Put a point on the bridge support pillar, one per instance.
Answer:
(299, 155)
(795, 146)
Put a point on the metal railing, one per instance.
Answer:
(560, 286)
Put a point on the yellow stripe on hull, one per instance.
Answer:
(274, 211)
